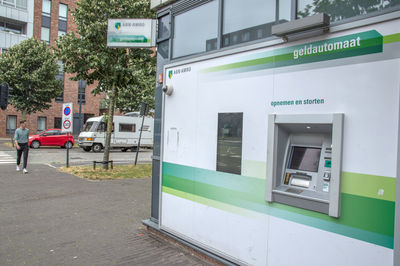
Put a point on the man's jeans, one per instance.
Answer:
(24, 148)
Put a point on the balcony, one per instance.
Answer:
(20, 4)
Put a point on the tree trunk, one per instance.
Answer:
(23, 115)
(110, 120)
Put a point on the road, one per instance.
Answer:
(57, 157)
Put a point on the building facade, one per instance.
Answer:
(45, 20)
(277, 130)
(16, 22)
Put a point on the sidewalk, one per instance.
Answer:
(52, 218)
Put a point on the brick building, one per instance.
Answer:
(50, 20)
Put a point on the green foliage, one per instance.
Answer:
(130, 71)
(30, 69)
(342, 9)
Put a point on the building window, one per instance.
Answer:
(193, 33)
(22, 4)
(251, 20)
(243, 18)
(62, 19)
(81, 92)
(11, 124)
(41, 123)
(127, 127)
(343, 10)
(46, 11)
(164, 27)
(46, 7)
(57, 122)
(45, 34)
(229, 146)
(60, 76)
(15, 28)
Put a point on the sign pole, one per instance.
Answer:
(67, 149)
(138, 146)
(66, 126)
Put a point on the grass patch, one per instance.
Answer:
(119, 171)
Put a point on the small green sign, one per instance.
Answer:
(328, 163)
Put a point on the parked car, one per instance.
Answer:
(51, 137)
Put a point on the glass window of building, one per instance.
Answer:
(284, 11)
(12, 27)
(164, 26)
(195, 31)
(62, 12)
(62, 19)
(229, 145)
(57, 122)
(21, 4)
(46, 11)
(41, 123)
(46, 7)
(248, 20)
(343, 10)
(45, 34)
(60, 76)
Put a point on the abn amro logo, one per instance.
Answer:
(170, 74)
(118, 25)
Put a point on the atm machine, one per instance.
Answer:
(304, 161)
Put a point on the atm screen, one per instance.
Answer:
(304, 158)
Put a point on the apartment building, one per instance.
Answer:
(45, 20)
(16, 22)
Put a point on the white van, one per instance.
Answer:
(125, 134)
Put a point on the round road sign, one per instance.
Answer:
(67, 111)
(67, 124)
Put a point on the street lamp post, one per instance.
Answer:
(81, 86)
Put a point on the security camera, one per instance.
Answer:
(168, 89)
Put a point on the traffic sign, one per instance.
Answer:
(67, 111)
(66, 125)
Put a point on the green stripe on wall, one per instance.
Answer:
(371, 42)
(391, 38)
(276, 211)
(369, 186)
(363, 218)
(254, 169)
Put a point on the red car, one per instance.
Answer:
(51, 137)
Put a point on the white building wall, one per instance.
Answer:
(9, 13)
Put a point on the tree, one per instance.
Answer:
(30, 70)
(118, 72)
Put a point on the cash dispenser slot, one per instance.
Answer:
(300, 180)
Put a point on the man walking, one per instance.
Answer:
(21, 138)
